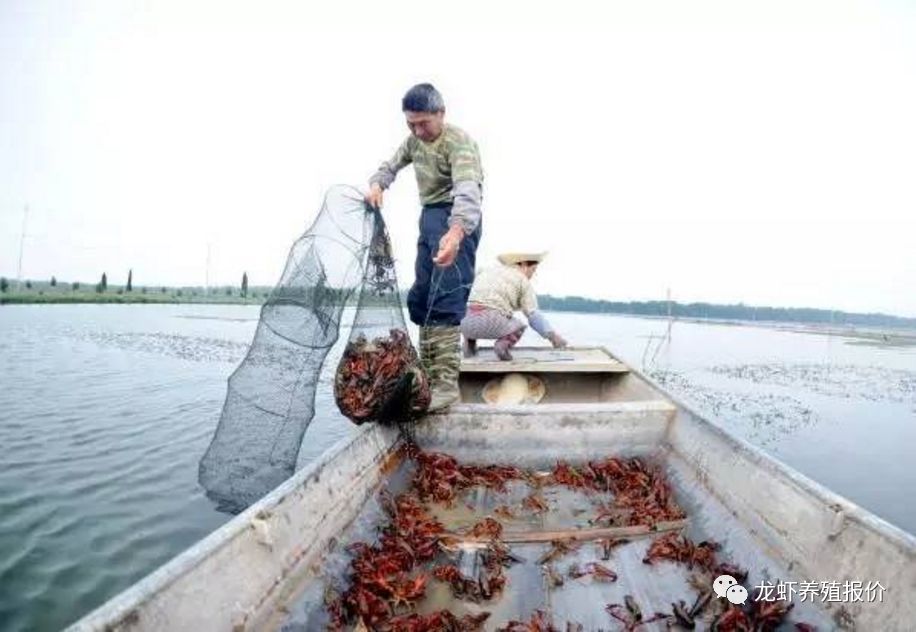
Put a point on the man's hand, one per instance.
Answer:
(558, 341)
(374, 196)
(448, 246)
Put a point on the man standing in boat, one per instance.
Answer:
(446, 161)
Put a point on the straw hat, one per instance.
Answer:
(514, 388)
(511, 258)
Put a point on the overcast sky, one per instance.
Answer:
(760, 152)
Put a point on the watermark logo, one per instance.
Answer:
(737, 594)
(722, 584)
(850, 591)
(728, 587)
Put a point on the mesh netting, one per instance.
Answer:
(271, 395)
(379, 376)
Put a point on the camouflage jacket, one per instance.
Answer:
(447, 169)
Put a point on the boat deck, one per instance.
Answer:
(530, 586)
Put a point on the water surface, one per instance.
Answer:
(106, 409)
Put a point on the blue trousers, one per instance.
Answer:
(439, 296)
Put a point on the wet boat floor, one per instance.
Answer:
(583, 600)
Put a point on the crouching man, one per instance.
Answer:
(498, 293)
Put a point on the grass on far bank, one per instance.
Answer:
(87, 293)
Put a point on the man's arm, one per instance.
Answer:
(466, 198)
(464, 220)
(387, 172)
(467, 193)
(536, 319)
(467, 185)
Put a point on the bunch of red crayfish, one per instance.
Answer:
(641, 493)
(380, 379)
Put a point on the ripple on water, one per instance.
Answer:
(104, 433)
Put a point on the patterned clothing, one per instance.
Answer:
(442, 362)
(504, 288)
(448, 172)
(484, 323)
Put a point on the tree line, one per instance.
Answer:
(582, 304)
(739, 311)
(102, 286)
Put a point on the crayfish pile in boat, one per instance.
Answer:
(389, 579)
(384, 586)
(726, 617)
(381, 379)
(642, 496)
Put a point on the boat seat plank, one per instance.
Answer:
(545, 360)
(579, 535)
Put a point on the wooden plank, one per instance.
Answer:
(546, 360)
(526, 537)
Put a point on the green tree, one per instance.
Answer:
(53, 281)
(28, 285)
(75, 285)
(104, 282)
(130, 280)
(4, 284)
(164, 289)
(229, 291)
(244, 284)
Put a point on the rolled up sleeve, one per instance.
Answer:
(466, 198)
(529, 300)
(467, 183)
(539, 323)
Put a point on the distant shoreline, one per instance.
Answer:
(869, 329)
(125, 299)
(869, 336)
(65, 293)
(712, 312)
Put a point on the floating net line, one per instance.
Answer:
(344, 256)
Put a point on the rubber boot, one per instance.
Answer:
(426, 354)
(502, 345)
(445, 363)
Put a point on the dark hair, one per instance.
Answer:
(423, 97)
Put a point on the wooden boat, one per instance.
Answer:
(269, 567)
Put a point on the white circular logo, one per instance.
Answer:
(723, 583)
(736, 594)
